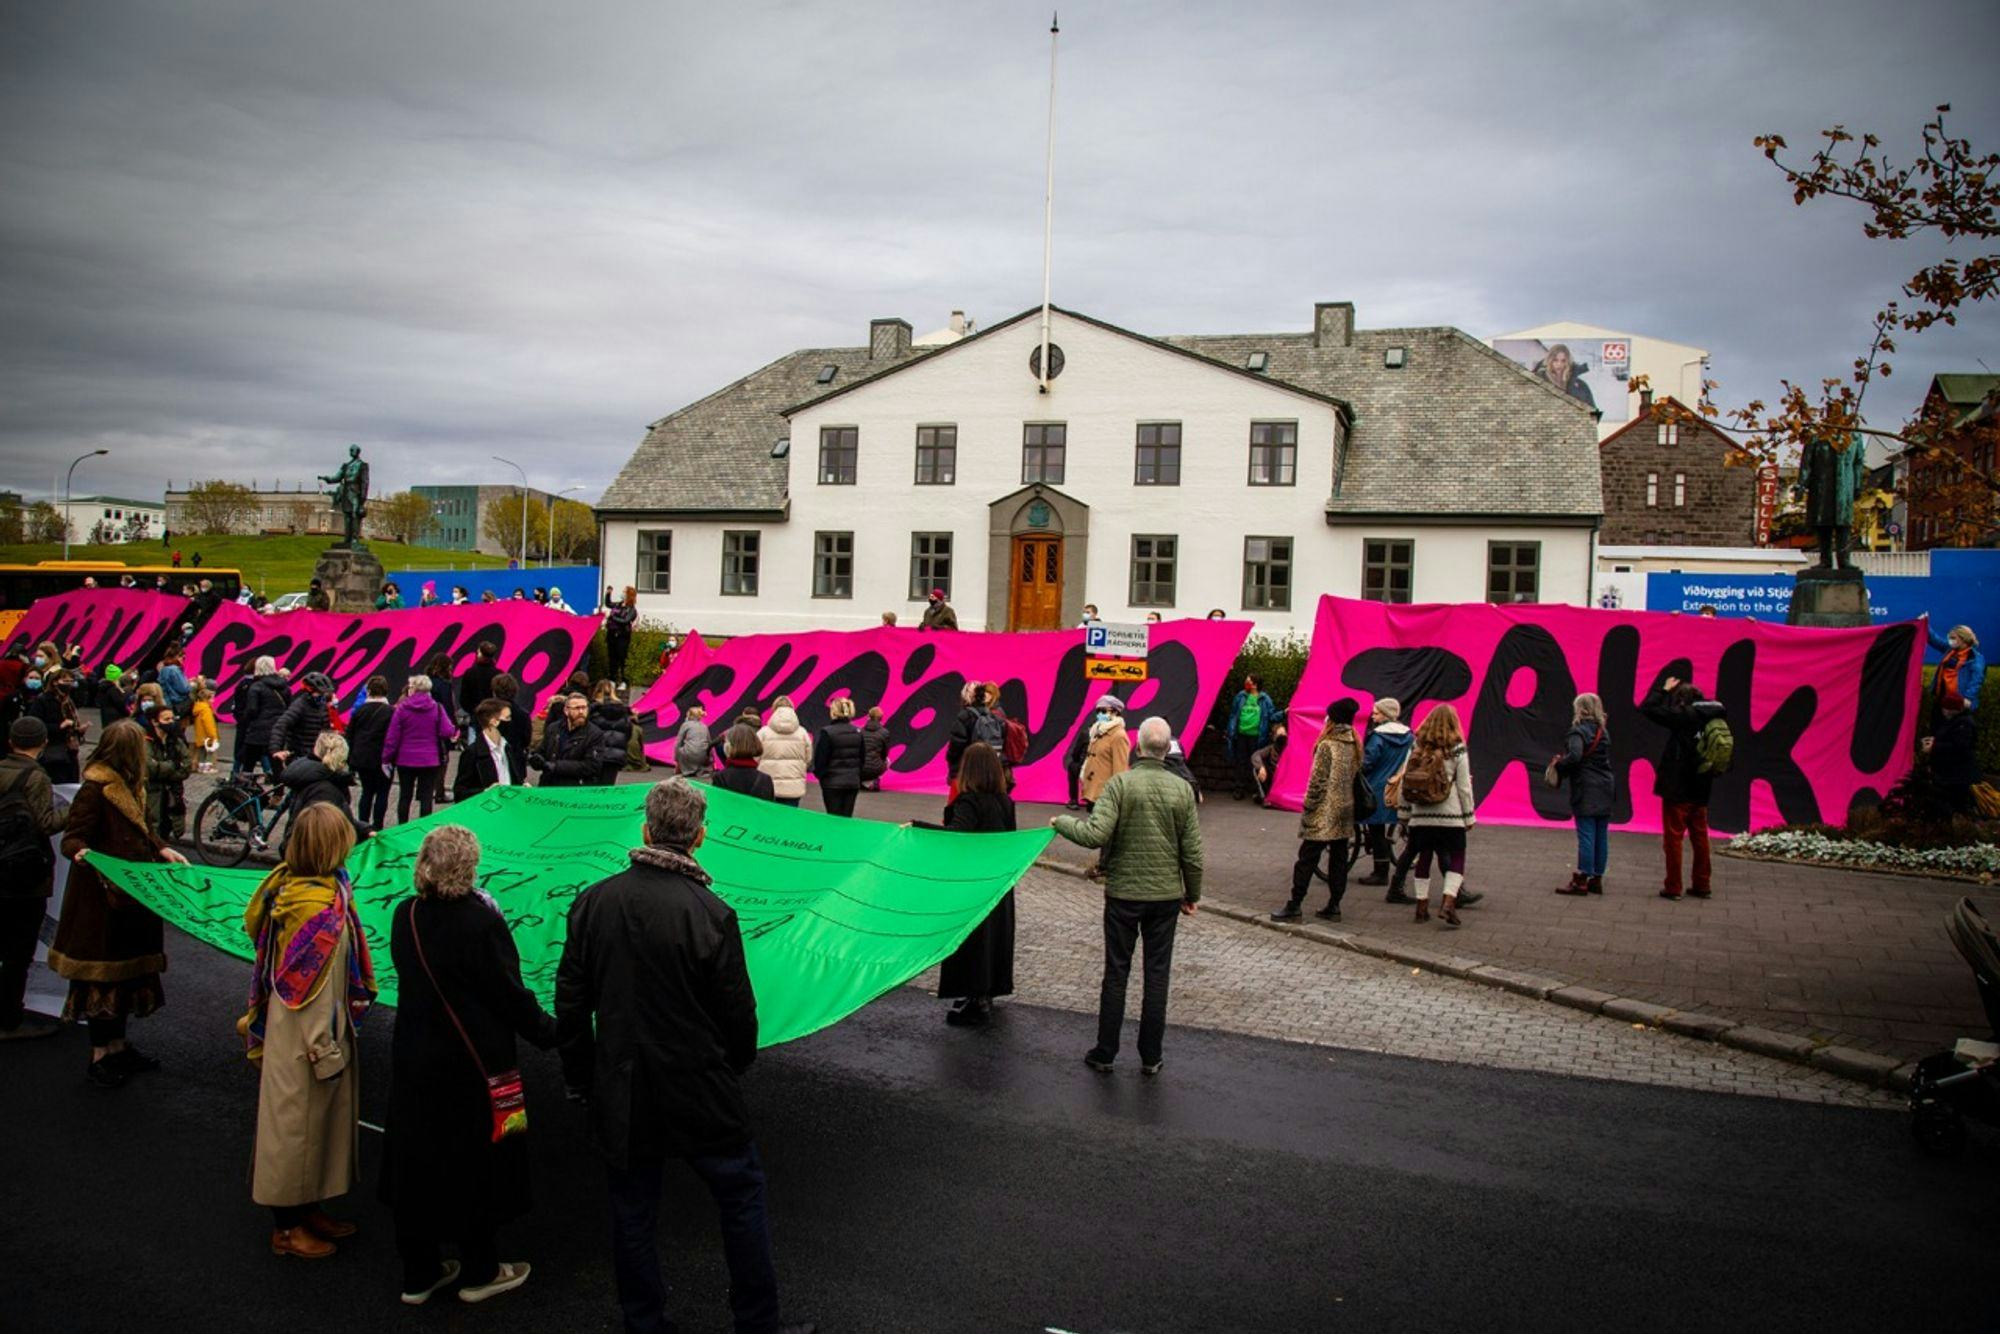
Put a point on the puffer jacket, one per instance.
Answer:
(1388, 745)
(257, 707)
(312, 783)
(787, 753)
(1586, 763)
(1109, 755)
(614, 719)
(840, 756)
(1456, 810)
(1328, 810)
(298, 728)
(875, 749)
(1145, 819)
(420, 734)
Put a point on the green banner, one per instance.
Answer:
(834, 912)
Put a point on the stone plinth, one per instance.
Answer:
(351, 576)
(1824, 597)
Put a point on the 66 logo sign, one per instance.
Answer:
(1615, 353)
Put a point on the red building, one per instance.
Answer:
(1947, 508)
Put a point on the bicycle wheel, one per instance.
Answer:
(223, 825)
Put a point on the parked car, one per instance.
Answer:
(289, 602)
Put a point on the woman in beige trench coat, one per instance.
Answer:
(313, 978)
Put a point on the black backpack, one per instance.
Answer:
(991, 730)
(25, 854)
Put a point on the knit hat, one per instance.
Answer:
(113, 672)
(937, 595)
(1110, 702)
(27, 733)
(1342, 711)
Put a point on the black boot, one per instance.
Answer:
(1290, 912)
(1331, 912)
(1378, 876)
(1396, 894)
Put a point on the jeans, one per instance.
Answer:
(418, 782)
(736, 1181)
(1593, 844)
(1310, 851)
(374, 810)
(839, 800)
(1125, 920)
(1684, 819)
(20, 928)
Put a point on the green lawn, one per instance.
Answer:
(271, 565)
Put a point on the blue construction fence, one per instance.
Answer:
(579, 583)
(1963, 588)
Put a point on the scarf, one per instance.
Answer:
(1098, 729)
(296, 921)
(676, 860)
(118, 793)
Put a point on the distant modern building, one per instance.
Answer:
(1944, 507)
(113, 519)
(1675, 482)
(1247, 472)
(1599, 365)
(458, 516)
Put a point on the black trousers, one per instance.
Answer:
(1377, 841)
(20, 928)
(839, 800)
(1310, 851)
(1075, 772)
(1403, 863)
(420, 783)
(616, 650)
(1125, 921)
(375, 785)
(736, 1182)
(423, 1257)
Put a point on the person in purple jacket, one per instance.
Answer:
(420, 736)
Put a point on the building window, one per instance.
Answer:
(839, 447)
(1513, 571)
(1267, 574)
(656, 560)
(739, 562)
(1680, 489)
(930, 564)
(1044, 446)
(1274, 453)
(1652, 490)
(1159, 462)
(1387, 567)
(1670, 433)
(833, 565)
(1153, 559)
(937, 455)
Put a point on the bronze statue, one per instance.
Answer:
(350, 495)
(1831, 477)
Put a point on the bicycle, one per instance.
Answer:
(239, 816)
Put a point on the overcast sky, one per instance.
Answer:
(234, 237)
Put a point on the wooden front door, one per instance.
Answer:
(1036, 602)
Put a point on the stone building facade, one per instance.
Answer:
(1677, 483)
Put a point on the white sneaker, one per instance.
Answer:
(445, 1280)
(510, 1277)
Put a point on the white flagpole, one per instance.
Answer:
(1049, 201)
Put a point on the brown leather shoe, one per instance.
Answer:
(328, 1228)
(299, 1243)
(1423, 910)
(1448, 913)
(1578, 884)
(1701, 893)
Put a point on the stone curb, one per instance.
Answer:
(1863, 1067)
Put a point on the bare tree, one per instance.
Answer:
(221, 507)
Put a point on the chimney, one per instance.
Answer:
(958, 323)
(1646, 401)
(1333, 324)
(888, 339)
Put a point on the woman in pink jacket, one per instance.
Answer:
(419, 738)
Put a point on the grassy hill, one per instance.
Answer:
(271, 565)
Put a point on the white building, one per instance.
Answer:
(114, 519)
(1246, 472)
(1608, 361)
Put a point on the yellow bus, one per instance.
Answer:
(20, 585)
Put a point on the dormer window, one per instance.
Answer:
(826, 374)
(1257, 361)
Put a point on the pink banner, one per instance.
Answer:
(110, 625)
(538, 646)
(916, 676)
(1821, 717)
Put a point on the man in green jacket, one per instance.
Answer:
(1145, 820)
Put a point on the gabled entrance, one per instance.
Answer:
(1038, 541)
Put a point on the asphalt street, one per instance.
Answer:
(929, 1179)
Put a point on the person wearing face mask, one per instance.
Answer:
(168, 764)
(304, 718)
(49, 700)
(1961, 670)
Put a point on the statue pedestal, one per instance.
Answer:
(351, 576)
(1829, 598)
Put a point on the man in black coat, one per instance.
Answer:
(299, 726)
(475, 683)
(657, 1020)
(1682, 785)
(572, 752)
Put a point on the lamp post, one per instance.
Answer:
(550, 563)
(524, 504)
(67, 491)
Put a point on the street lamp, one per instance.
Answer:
(67, 491)
(524, 504)
(550, 563)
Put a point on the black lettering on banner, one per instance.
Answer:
(936, 701)
(1765, 752)
(1410, 676)
(1173, 677)
(864, 678)
(543, 663)
(1500, 734)
(1067, 707)
(1879, 704)
(1634, 736)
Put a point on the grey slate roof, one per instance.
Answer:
(1459, 430)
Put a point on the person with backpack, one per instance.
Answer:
(1585, 765)
(1699, 747)
(28, 820)
(694, 746)
(839, 755)
(976, 721)
(1438, 807)
(1326, 817)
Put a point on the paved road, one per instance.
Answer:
(926, 1179)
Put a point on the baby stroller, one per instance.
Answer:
(1964, 1081)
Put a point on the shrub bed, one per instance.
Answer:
(1978, 861)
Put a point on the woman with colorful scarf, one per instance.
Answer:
(312, 981)
(109, 946)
